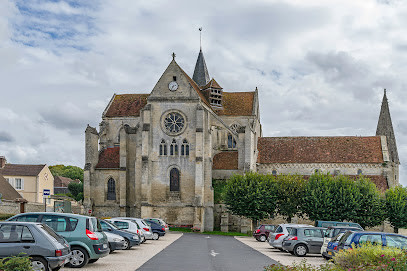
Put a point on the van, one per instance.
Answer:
(326, 224)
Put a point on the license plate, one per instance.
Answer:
(104, 245)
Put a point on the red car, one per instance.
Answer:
(262, 232)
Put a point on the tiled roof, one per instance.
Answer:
(236, 104)
(195, 86)
(379, 180)
(8, 192)
(109, 158)
(21, 170)
(124, 105)
(60, 181)
(225, 160)
(345, 149)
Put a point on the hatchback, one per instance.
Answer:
(48, 250)
(131, 239)
(303, 240)
(262, 232)
(333, 231)
(157, 229)
(159, 221)
(276, 238)
(116, 242)
(83, 233)
(128, 225)
(376, 238)
(332, 247)
(146, 229)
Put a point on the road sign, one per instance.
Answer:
(90, 211)
(46, 193)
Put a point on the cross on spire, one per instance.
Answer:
(173, 55)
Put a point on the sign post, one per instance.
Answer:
(46, 193)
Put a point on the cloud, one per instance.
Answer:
(6, 137)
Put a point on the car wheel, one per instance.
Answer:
(263, 238)
(93, 260)
(126, 244)
(79, 257)
(156, 236)
(300, 250)
(39, 264)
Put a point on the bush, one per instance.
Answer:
(16, 263)
(5, 216)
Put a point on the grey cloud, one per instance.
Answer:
(6, 137)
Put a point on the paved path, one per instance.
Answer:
(207, 253)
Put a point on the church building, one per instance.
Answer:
(155, 155)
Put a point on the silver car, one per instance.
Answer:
(145, 228)
(276, 238)
(116, 242)
(48, 250)
(128, 225)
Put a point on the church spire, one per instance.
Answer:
(385, 128)
(201, 75)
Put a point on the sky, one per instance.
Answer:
(320, 66)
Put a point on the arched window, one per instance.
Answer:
(231, 142)
(360, 172)
(185, 148)
(274, 172)
(111, 189)
(163, 147)
(174, 148)
(174, 179)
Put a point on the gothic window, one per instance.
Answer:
(174, 179)
(174, 148)
(231, 142)
(274, 172)
(185, 148)
(360, 172)
(174, 123)
(111, 189)
(163, 147)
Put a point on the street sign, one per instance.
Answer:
(46, 193)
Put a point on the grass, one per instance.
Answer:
(209, 232)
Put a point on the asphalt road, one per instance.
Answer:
(207, 253)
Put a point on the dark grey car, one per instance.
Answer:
(303, 240)
(49, 251)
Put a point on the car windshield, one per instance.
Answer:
(110, 224)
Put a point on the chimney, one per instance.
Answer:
(3, 161)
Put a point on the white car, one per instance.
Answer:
(333, 231)
(145, 228)
(276, 238)
(128, 225)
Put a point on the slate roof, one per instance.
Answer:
(346, 149)
(236, 104)
(125, 105)
(21, 170)
(109, 158)
(226, 160)
(7, 190)
(60, 181)
(201, 75)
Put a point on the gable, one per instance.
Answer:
(346, 149)
(7, 190)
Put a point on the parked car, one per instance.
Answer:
(159, 221)
(262, 232)
(333, 231)
(116, 242)
(131, 239)
(276, 238)
(83, 233)
(148, 234)
(377, 238)
(303, 240)
(332, 247)
(157, 229)
(128, 225)
(48, 250)
(326, 224)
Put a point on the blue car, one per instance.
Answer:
(332, 247)
(351, 238)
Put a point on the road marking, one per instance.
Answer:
(213, 253)
(208, 237)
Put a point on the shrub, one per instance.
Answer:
(5, 216)
(16, 263)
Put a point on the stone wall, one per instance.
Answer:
(11, 207)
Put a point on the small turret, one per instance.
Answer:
(213, 92)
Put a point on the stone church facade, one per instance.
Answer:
(155, 155)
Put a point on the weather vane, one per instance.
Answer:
(200, 37)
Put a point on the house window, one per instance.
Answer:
(274, 172)
(111, 189)
(185, 148)
(163, 147)
(10, 181)
(174, 148)
(174, 179)
(19, 184)
(231, 142)
(360, 172)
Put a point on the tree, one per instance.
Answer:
(251, 195)
(72, 172)
(396, 205)
(76, 190)
(290, 190)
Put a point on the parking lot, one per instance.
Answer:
(284, 258)
(130, 260)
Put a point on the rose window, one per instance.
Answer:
(174, 123)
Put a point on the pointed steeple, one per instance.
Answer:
(385, 128)
(201, 75)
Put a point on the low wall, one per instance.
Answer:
(11, 207)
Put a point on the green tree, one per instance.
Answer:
(76, 190)
(290, 190)
(72, 172)
(396, 205)
(252, 195)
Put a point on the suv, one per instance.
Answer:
(47, 250)
(276, 238)
(303, 240)
(84, 234)
(262, 232)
